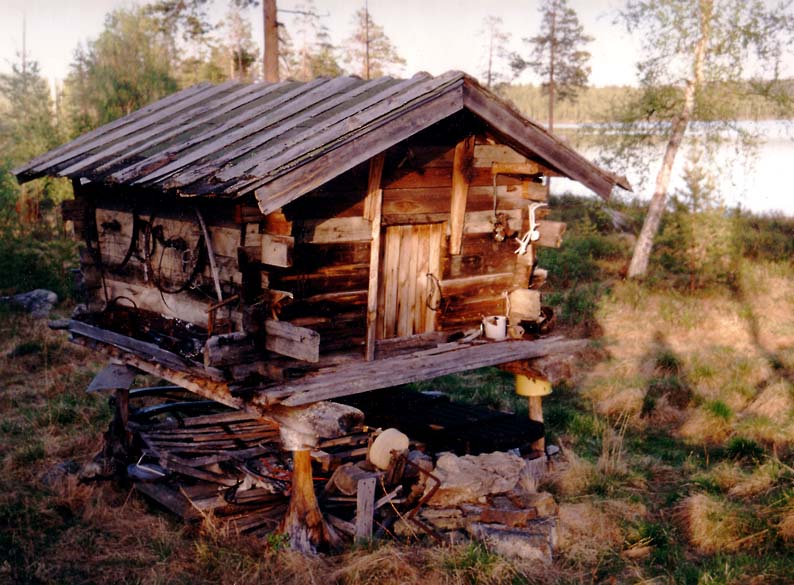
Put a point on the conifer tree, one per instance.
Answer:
(370, 52)
(557, 54)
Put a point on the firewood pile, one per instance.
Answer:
(203, 461)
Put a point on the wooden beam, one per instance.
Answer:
(374, 186)
(357, 377)
(550, 233)
(522, 169)
(304, 521)
(229, 349)
(461, 177)
(295, 342)
(144, 349)
(334, 230)
(373, 210)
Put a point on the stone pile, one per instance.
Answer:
(491, 498)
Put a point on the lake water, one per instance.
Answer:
(762, 184)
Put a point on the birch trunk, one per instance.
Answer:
(642, 249)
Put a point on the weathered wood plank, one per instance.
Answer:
(182, 306)
(551, 233)
(170, 160)
(88, 140)
(461, 175)
(335, 229)
(229, 349)
(360, 117)
(293, 114)
(146, 350)
(365, 508)
(112, 154)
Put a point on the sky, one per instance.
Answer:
(432, 35)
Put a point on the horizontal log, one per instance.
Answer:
(182, 306)
(523, 168)
(277, 250)
(442, 177)
(343, 229)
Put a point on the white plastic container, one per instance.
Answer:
(495, 327)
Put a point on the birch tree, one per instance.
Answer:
(695, 54)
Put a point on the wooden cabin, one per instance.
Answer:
(295, 242)
(272, 247)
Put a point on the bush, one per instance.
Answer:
(36, 259)
(575, 260)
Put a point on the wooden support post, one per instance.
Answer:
(373, 211)
(117, 443)
(365, 508)
(461, 176)
(536, 414)
(300, 430)
(373, 186)
(304, 520)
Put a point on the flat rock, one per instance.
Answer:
(470, 478)
(38, 302)
(530, 544)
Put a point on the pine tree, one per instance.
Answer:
(496, 51)
(316, 56)
(125, 68)
(369, 51)
(27, 129)
(557, 54)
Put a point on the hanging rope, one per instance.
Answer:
(433, 285)
(153, 236)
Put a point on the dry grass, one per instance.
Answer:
(712, 525)
(590, 530)
(703, 426)
(785, 527)
(760, 480)
(572, 476)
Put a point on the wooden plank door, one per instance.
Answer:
(407, 294)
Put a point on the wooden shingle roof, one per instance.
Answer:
(283, 140)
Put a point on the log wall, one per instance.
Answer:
(317, 249)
